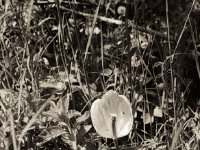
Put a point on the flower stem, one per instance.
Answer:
(116, 144)
(114, 131)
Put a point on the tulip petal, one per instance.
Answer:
(125, 119)
(98, 116)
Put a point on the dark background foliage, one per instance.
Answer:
(147, 48)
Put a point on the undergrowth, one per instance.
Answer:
(58, 57)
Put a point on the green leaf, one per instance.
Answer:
(73, 113)
(83, 118)
(158, 112)
(147, 118)
(50, 133)
(81, 132)
(69, 139)
(106, 72)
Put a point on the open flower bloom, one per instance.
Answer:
(112, 115)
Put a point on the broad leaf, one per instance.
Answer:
(50, 133)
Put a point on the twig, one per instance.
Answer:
(109, 20)
(119, 22)
(62, 3)
(184, 26)
(12, 125)
(90, 36)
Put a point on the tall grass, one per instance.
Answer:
(68, 53)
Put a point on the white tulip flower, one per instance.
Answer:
(112, 115)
